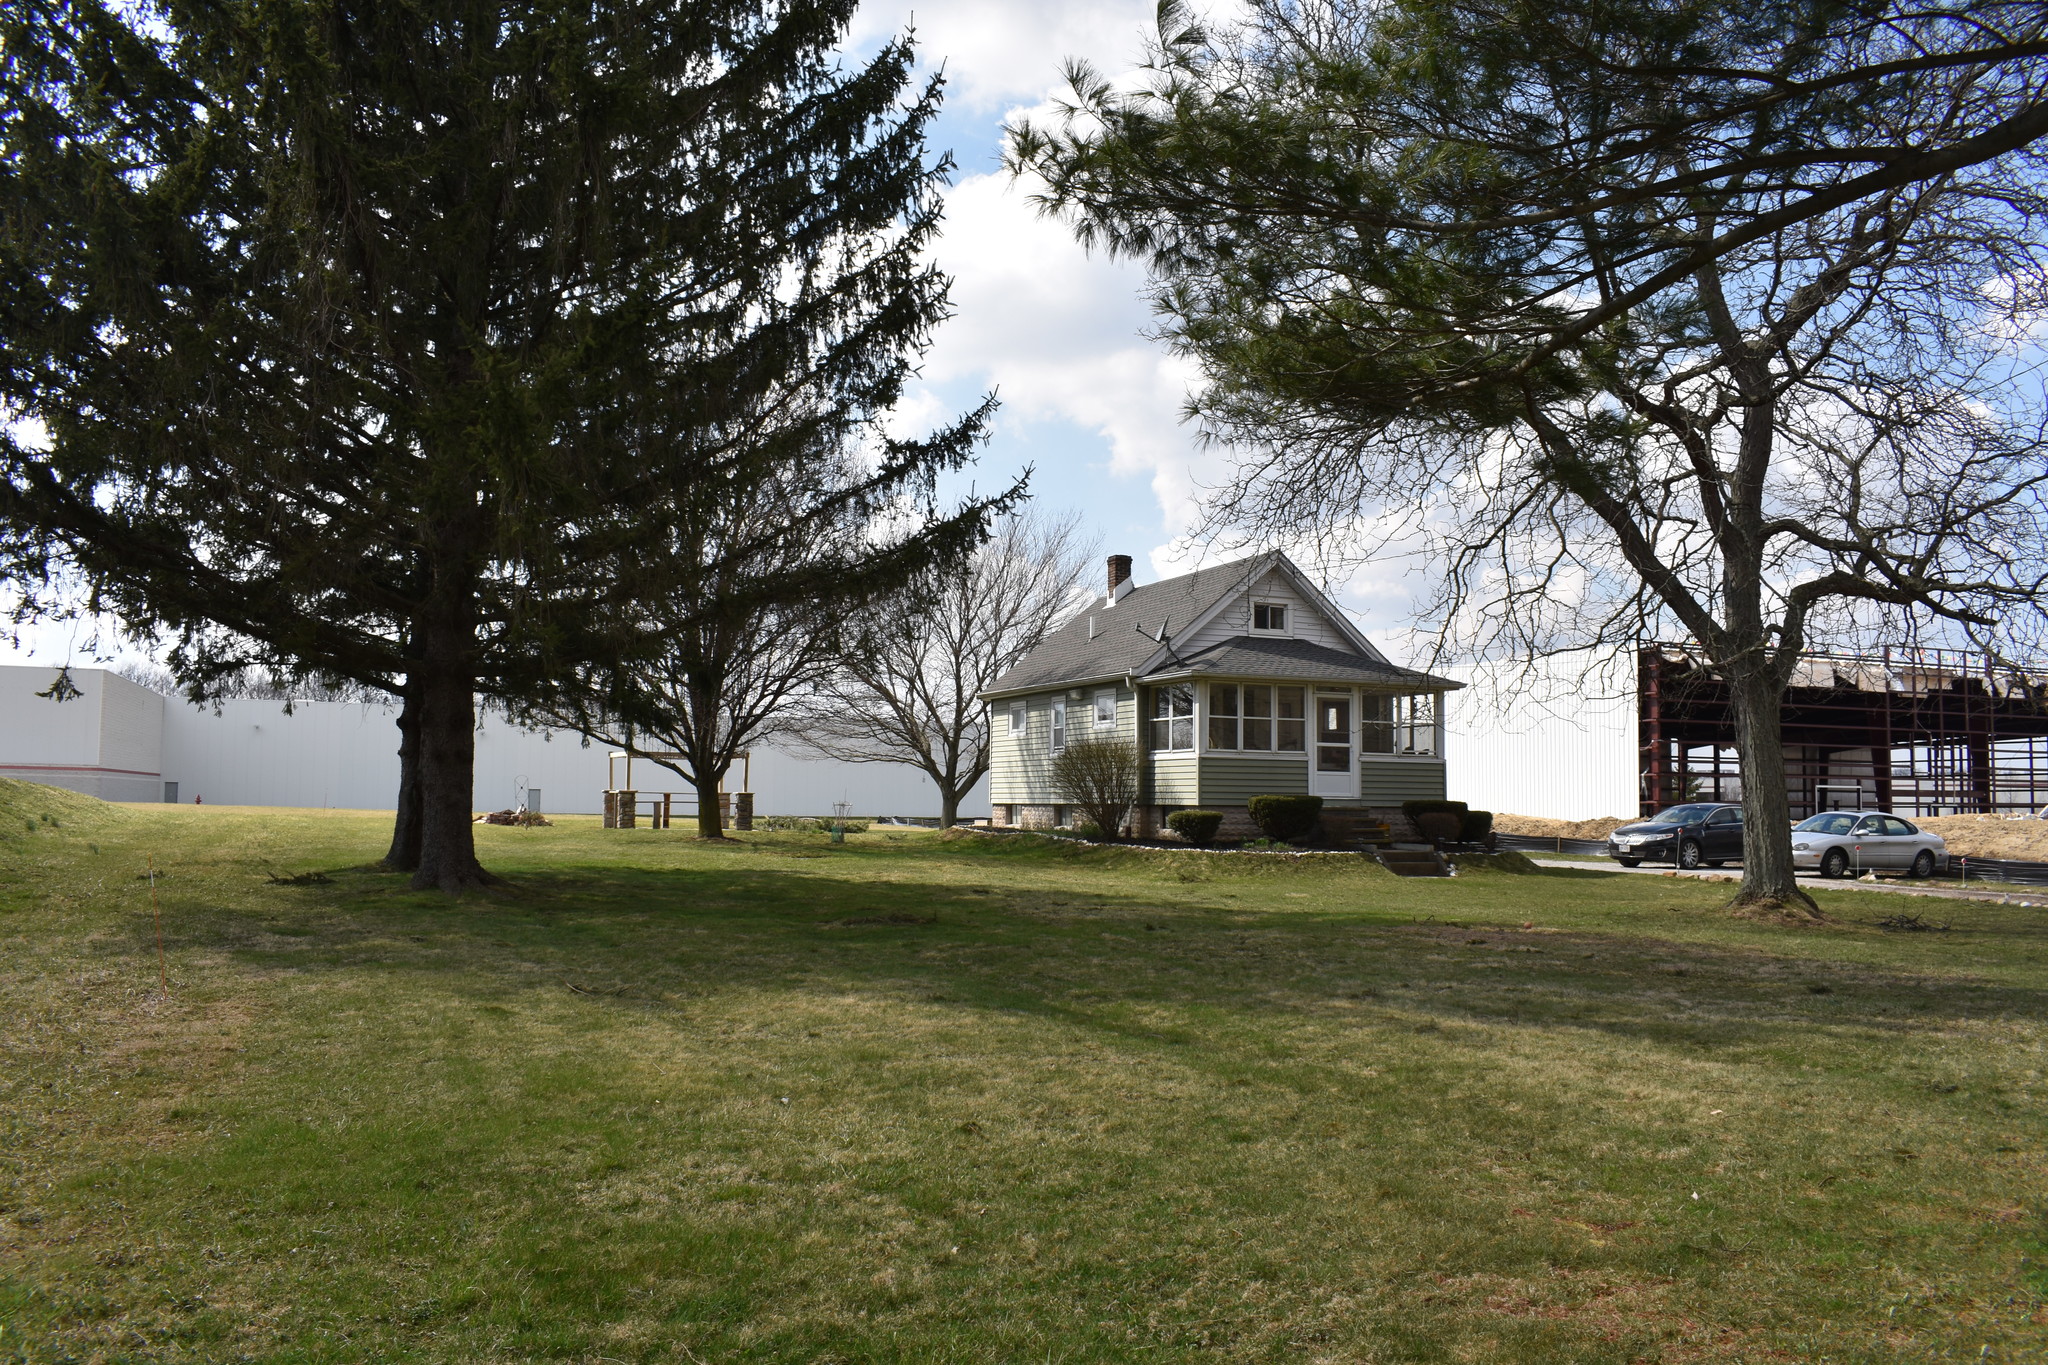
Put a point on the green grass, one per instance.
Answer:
(911, 1099)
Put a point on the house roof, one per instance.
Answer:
(1128, 641)
(1258, 656)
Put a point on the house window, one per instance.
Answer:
(1270, 616)
(1173, 718)
(1223, 715)
(1400, 725)
(1016, 717)
(1255, 717)
(1059, 726)
(1105, 710)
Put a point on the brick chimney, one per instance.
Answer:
(1119, 574)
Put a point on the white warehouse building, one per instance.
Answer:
(120, 741)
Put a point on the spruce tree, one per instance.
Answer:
(392, 342)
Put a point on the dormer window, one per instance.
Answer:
(1270, 617)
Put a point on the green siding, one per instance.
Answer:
(1234, 781)
(1018, 764)
(1389, 784)
(1176, 778)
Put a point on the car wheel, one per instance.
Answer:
(1688, 854)
(1630, 862)
(1835, 864)
(1923, 866)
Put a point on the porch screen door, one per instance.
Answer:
(1332, 775)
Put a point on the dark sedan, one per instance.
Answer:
(1698, 834)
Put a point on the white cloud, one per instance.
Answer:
(997, 54)
(1060, 335)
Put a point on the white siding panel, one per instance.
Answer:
(1554, 738)
(1236, 618)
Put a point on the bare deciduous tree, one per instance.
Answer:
(1100, 777)
(727, 677)
(915, 662)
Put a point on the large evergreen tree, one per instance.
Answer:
(393, 342)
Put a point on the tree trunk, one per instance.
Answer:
(1767, 880)
(405, 835)
(447, 774)
(710, 819)
(949, 806)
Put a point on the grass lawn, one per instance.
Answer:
(912, 1099)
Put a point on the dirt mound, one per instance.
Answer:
(1538, 827)
(1991, 836)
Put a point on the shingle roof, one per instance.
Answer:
(1255, 656)
(1127, 634)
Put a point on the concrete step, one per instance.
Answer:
(1408, 862)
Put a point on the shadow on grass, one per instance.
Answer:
(1015, 930)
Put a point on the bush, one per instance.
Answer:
(1285, 817)
(1100, 777)
(1198, 827)
(1415, 810)
(1478, 824)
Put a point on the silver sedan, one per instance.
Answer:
(1847, 843)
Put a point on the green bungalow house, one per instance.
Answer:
(1234, 682)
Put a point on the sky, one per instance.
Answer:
(1089, 404)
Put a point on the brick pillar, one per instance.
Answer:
(628, 814)
(743, 811)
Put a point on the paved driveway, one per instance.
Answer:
(2008, 896)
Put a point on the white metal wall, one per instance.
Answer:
(122, 742)
(1554, 738)
(106, 742)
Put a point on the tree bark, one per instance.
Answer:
(710, 819)
(949, 806)
(447, 766)
(405, 835)
(1767, 877)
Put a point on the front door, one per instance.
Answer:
(1331, 774)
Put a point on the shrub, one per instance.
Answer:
(1198, 827)
(1415, 810)
(1285, 817)
(1478, 824)
(1100, 777)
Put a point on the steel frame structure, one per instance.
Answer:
(1915, 731)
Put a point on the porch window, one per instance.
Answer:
(1223, 715)
(1254, 717)
(1290, 720)
(1173, 718)
(1402, 725)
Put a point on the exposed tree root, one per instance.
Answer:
(456, 880)
(1782, 907)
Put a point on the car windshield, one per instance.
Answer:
(1829, 822)
(1681, 815)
